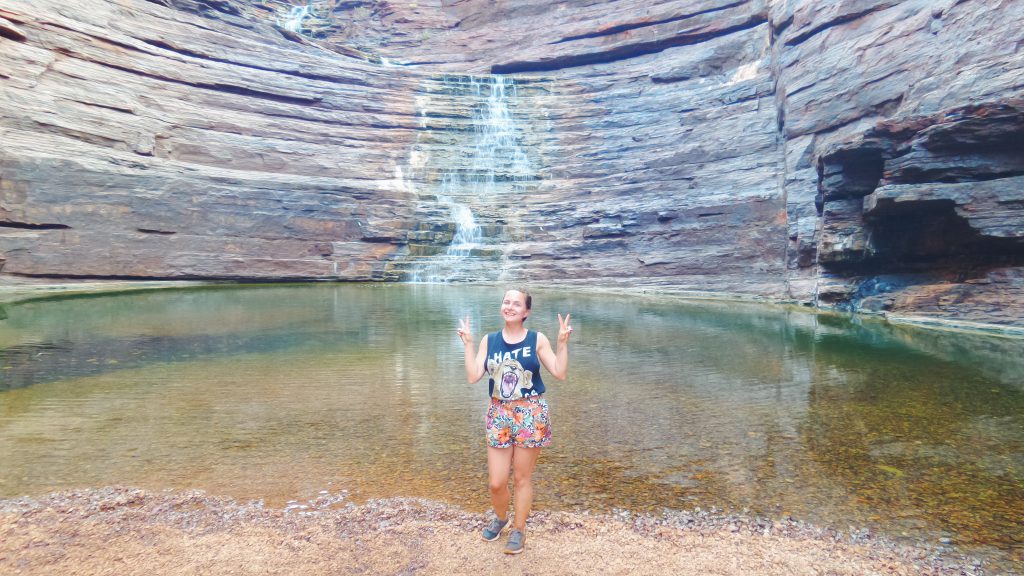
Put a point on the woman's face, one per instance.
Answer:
(513, 306)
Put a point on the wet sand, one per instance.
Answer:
(126, 531)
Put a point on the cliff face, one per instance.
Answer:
(902, 128)
(142, 141)
(859, 153)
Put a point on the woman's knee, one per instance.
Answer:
(522, 480)
(496, 486)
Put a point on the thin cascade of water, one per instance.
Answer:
(495, 157)
(467, 232)
(496, 151)
(293, 21)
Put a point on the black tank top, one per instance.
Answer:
(515, 367)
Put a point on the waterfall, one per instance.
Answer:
(467, 232)
(481, 174)
(497, 140)
(293, 21)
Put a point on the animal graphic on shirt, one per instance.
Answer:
(511, 381)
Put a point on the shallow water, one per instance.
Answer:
(279, 392)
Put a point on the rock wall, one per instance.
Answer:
(863, 154)
(886, 104)
(143, 141)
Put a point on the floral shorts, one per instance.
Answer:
(523, 422)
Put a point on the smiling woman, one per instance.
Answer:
(518, 424)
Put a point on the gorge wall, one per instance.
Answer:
(864, 154)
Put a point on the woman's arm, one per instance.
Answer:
(474, 360)
(557, 361)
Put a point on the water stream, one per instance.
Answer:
(293, 21)
(276, 393)
(477, 173)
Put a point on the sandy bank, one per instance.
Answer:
(127, 531)
(21, 290)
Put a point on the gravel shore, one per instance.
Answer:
(128, 531)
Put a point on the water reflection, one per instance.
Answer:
(279, 392)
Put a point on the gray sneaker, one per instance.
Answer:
(493, 530)
(515, 542)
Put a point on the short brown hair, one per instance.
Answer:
(524, 292)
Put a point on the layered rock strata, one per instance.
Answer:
(862, 154)
(883, 104)
(150, 142)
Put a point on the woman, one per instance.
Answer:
(517, 419)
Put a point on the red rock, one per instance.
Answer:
(716, 145)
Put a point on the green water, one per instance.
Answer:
(277, 393)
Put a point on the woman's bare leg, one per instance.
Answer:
(499, 461)
(523, 461)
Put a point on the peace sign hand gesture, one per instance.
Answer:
(464, 332)
(564, 329)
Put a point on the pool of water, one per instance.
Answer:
(279, 392)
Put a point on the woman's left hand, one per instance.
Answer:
(564, 329)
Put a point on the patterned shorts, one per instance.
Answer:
(523, 422)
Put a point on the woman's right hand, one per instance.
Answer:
(564, 329)
(464, 332)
